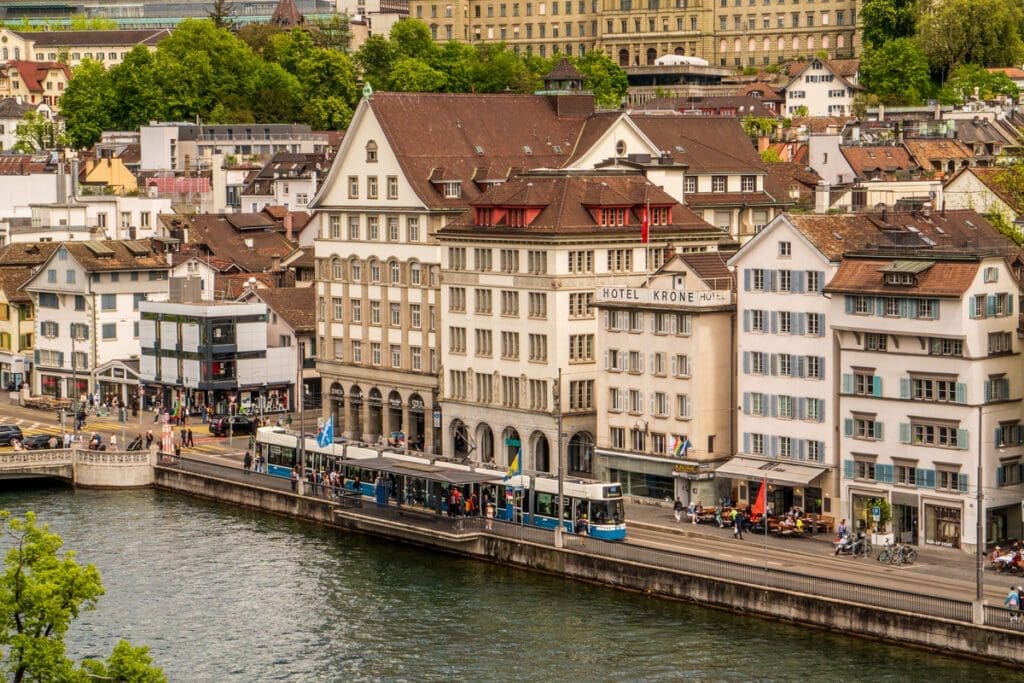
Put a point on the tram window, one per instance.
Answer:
(525, 500)
(546, 504)
(606, 511)
(567, 508)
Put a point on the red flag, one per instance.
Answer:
(645, 225)
(758, 508)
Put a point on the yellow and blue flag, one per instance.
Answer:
(516, 467)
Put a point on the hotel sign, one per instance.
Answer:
(676, 297)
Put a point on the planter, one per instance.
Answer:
(880, 539)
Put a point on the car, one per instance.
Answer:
(9, 432)
(41, 441)
(222, 425)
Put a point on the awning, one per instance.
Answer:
(776, 471)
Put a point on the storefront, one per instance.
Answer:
(640, 475)
(861, 503)
(14, 371)
(1005, 524)
(943, 524)
(790, 484)
(118, 383)
(905, 516)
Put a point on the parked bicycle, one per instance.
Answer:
(897, 554)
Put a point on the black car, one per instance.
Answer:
(8, 432)
(235, 424)
(42, 441)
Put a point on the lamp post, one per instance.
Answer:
(980, 529)
(559, 541)
(74, 378)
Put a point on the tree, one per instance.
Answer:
(85, 104)
(771, 156)
(375, 58)
(603, 77)
(257, 36)
(886, 20)
(35, 133)
(415, 75)
(966, 80)
(896, 72)
(41, 594)
(137, 95)
(412, 38)
(755, 126)
(332, 33)
(222, 14)
(984, 32)
(493, 68)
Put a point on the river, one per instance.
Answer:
(225, 594)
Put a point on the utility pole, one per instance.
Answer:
(559, 541)
(980, 530)
(300, 397)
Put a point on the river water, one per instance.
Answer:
(225, 594)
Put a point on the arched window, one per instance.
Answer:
(415, 274)
(355, 270)
(796, 42)
(374, 271)
(825, 42)
(396, 272)
(810, 43)
(371, 152)
(623, 57)
(336, 269)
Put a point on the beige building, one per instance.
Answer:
(633, 32)
(665, 397)
(71, 47)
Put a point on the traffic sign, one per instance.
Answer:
(876, 513)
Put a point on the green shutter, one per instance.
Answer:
(848, 426)
(961, 392)
(962, 439)
(847, 383)
(904, 432)
(905, 388)
(848, 469)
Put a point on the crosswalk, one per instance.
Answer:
(204, 442)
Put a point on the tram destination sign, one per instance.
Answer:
(677, 297)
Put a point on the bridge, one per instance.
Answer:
(81, 467)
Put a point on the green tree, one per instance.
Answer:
(332, 33)
(41, 593)
(85, 104)
(222, 14)
(81, 22)
(457, 62)
(257, 36)
(771, 156)
(328, 113)
(415, 75)
(375, 58)
(896, 72)
(138, 98)
(886, 20)
(967, 79)
(35, 133)
(493, 68)
(603, 77)
(411, 38)
(328, 73)
(985, 32)
(755, 126)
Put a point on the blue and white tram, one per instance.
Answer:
(534, 500)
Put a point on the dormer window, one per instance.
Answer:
(484, 216)
(660, 215)
(517, 218)
(901, 279)
(452, 189)
(371, 152)
(612, 217)
(904, 273)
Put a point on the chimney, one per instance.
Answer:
(881, 112)
(762, 143)
(288, 226)
(275, 263)
(248, 242)
(822, 199)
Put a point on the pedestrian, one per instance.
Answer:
(1012, 603)
(184, 438)
(149, 439)
(841, 531)
(737, 524)
(191, 443)
(295, 480)
(67, 440)
(698, 510)
(113, 442)
(489, 513)
(678, 509)
(247, 462)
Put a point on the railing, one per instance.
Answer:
(113, 457)
(1000, 617)
(843, 591)
(17, 459)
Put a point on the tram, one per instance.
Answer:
(424, 482)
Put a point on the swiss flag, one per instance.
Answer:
(645, 225)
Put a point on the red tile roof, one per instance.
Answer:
(943, 279)
(33, 74)
(707, 144)
(868, 162)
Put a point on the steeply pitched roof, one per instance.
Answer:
(867, 162)
(711, 267)
(563, 70)
(218, 236)
(707, 144)
(287, 15)
(11, 280)
(785, 179)
(998, 180)
(297, 305)
(33, 74)
(942, 279)
(764, 92)
(11, 108)
(26, 253)
(836, 234)
(116, 255)
(566, 203)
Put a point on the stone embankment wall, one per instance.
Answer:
(947, 636)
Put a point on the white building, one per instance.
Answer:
(664, 400)
(931, 384)
(825, 88)
(104, 217)
(87, 296)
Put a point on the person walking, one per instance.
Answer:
(188, 433)
(1012, 603)
(149, 439)
(113, 442)
(677, 509)
(247, 462)
(295, 480)
(737, 524)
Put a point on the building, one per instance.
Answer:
(17, 312)
(288, 180)
(213, 353)
(518, 274)
(930, 392)
(664, 400)
(35, 82)
(821, 87)
(87, 298)
(71, 47)
(12, 111)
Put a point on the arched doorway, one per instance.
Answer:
(375, 411)
(580, 453)
(652, 54)
(354, 421)
(394, 413)
(541, 452)
(460, 439)
(336, 395)
(679, 51)
(623, 57)
(485, 442)
(414, 430)
(510, 438)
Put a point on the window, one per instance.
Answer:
(536, 262)
(997, 388)
(620, 260)
(875, 342)
(785, 280)
(945, 435)
(864, 469)
(581, 261)
(49, 329)
(1009, 434)
(415, 274)
(538, 302)
(999, 342)
(452, 189)
(581, 348)
(482, 259)
(863, 427)
(510, 345)
(353, 187)
(950, 480)
(374, 271)
(416, 358)
(415, 318)
(392, 182)
(785, 322)
(748, 183)
(510, 391)
(815, 324)
(862, 384)
(339, 308)
(457, 300)
(457, 258)
(108, 302)
(785, 249)
(80, 302)
(335, 226)
(375, 313)
(109, 330)
(372, 228)
(357, 351)
(618, 437)
(484, 343)
(510, 303)
(412, 225)
(356, 306)
(482, 301)
(991, 274)
(581, 305)
(682, 406)
(661, 405)
(393, 235)
(681, 365)
(906, 474)
(509, 260)
(757, 321)
(51, 275)
(636, 362)
(785, 364)
(718, 183)
(638, 439)
(538, 347)
(48, 300)
(395, 317)
(457, 388)
(933, 389)
(689, 184)
(636, 401)
(757, 444)
(353, 227)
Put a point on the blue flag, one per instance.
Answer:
(516, 467)
(325, 437)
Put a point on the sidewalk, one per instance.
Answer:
(946, 562)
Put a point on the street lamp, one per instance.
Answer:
(560, 515)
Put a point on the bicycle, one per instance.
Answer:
(885, 556)
(904, 555)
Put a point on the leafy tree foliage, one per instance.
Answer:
(35, 132)
(983, 32)
(968, 79)
(332, 33)
(886, 20)
(222, 14)
(41, 593)
(87, 104)
(896, 72)
(603, 77)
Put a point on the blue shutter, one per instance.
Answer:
(801, 449)
(998, 438)
(884, 473)
(796, 282)
(935, 309)
(990, 305)
(746, 442)
(988, 390)
(775, 322)
(847, 383)
(879, 431)
(848, 469)
(773, 364)
(904, 387)
(961, 392)
(1001, 475)
(961, 482)
(799, 322)
(746, 362)
(849, 303)
(972, 307)
(929, 479)
(821, 411)
(60, 358)
(746, 321)
(775, 447)
(746, 279)
(1009, 304)
(848, 426)
(35, 355)
(876, 386)
(904, 432)
(961, 439)
(912, 308)
(801, 367)
(821, 366)
(801, 408)
(880, 306)
(821, 281)
(746, 403)
(821, 324)
(772, 281)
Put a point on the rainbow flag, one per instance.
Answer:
(680, 445)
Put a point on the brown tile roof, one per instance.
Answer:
(126, 38)
(1001, 183)
(837, 234)
(707, 144)
(766, 92)
(26, 253)
(701, 199)
(845, 69)
(785, 178)
(711, 267)
(233, 285)
(217, 236)
(867, 162)
(297, 305)
(564, 203)
(22, 164)
(287, 15)
(563, 71)
(455, 133)
(714, 105)
(925, 151)
(943, 279)
(11, 280)
(122, 258)
(33, 74)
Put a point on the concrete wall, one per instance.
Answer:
(950, 637)
(113, 469)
